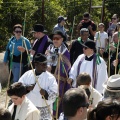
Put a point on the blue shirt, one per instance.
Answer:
(16, 43)
(60, 28)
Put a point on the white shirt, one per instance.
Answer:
(87, 66)
(100, 39)
(95, 95)
(46, 81)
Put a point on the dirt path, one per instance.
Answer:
(2, 98)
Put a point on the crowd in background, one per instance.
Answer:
(56, 80)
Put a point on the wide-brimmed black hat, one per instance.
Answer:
(90, 44)
(40, 58)
(57, 32)
(38, 28)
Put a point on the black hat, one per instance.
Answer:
(38, 28)
(90, 44)
(57, 32)
(60, 18)
(40, 58)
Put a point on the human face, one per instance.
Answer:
(101, 28)
(86, 19)
(115, 38)
(87, 51)
(36, 35)
(62, 22)
(57, 40)
(114, 19)
(85, 36)
(40, 67)
(17, 32)
(17, 100)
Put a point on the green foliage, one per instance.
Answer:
(13, 12)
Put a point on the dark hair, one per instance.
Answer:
(107, 107)
(17, 89)
(17, 26)
(5, 114)
(73, 99)
(83, 79)
(86, 14)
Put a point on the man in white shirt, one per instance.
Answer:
(90, 63)
(45, 85)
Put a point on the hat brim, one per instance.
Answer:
(105, 87)
(45, 31)
(40, 62)
(88, 47)
(84, 45)
(51, 36)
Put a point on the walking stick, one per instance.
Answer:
(21, 62)
(24, 24)
(9, 74)
(99, 41)
(109, 56)
(117, 48)
(37, 80)
(58, 85)
(72, 31)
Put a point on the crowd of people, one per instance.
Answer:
(52, 81)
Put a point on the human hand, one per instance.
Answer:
(112, 48)
(30, 87)
(115, 62)
(32, 52)
(5, 63)
(42, 92)
(101, 51)
(49, 68)
(21, 49)
(69, 80)
(90, 27)
(80, 24)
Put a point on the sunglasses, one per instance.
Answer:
(114, 18)
(43, 64)
(56, 38)
(85, 19)
(18, 31)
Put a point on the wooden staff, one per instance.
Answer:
(37, 80)
(99, 41)
(22, 46)
(117, 49)
(65, 70)
(9, 75)
(109, 57)
(24, 24)
(58, 85)
(21, 62)
(72, 31)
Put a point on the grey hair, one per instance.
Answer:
(111, 94)
(83, 30)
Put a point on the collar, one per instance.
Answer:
(36, 73)
(89, 58)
